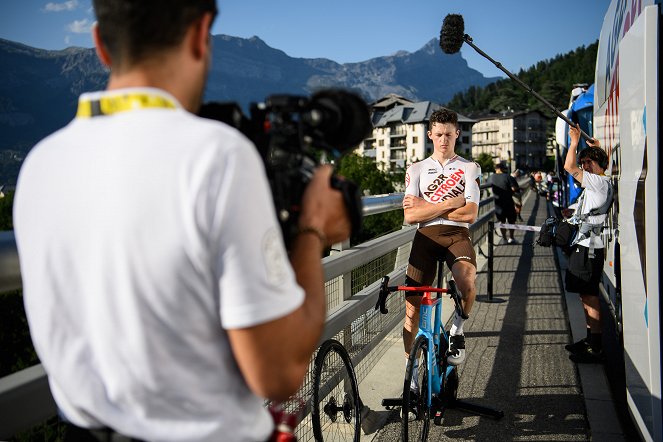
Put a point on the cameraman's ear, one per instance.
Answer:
(99, 47)
(201, 43)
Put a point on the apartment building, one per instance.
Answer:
(515, 138)
(399, 136)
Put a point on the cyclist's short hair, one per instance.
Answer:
(133, 29)
(443, 116)
(595, 153)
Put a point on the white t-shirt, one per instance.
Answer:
(430, 180)
(595, 194)
(142, 236)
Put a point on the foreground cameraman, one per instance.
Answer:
(157, 287)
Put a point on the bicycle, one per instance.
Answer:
(336, 408)
(436, 381)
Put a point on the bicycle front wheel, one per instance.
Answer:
(336, 407)
(415, 413)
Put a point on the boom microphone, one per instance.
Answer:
(451, 34)
(452, 37)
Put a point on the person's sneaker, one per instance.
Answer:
(589, 356)
(456, 352)
(512, 241)
(413, 412)
(577, 347)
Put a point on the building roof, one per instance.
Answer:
(409, 114)
(389, 101)
(508, 115)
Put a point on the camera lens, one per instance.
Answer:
(340, 118)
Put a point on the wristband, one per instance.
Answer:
(308, 229)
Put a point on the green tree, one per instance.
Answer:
(372, 181)
(486, 162)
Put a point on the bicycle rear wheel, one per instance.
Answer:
(415, 414)
(336, 409)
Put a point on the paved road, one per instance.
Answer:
(516, 361)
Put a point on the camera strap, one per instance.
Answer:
(112, 104)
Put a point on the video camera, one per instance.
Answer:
(293, 134)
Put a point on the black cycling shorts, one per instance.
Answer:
(430, 243)
(584, 273)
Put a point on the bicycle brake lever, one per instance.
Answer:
(455, 294)
(382, 298)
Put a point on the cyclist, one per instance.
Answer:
(442, 195)
(156, 283)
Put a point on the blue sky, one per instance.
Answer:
(517, 33)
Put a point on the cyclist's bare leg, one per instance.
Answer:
(411, 325)
(465, 274)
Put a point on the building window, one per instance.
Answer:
(466, 140)
(415, 140)
(381, 143)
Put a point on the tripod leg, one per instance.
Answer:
(477, 409)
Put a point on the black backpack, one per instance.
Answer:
(547, 232)
(557, 232)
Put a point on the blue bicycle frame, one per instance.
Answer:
(440, 372)
(430, 326)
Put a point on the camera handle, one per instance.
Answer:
(352, 199)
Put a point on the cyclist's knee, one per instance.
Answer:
(464, 273)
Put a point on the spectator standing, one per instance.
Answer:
(586, 260)
(504, 188)
(157, 286)
(518, 196)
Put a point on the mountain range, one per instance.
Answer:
(39, 88)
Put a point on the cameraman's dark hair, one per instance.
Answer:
(442, 116)
(132, 29)
(595, 153)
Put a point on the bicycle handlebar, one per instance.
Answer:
(385, 289)
(382, 298)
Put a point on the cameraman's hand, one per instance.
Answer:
(323, 208)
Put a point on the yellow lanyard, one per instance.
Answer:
(122, 103)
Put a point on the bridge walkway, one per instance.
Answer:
(516, 361)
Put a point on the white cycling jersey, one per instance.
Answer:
(434, 182)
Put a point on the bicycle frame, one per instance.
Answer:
(440, 372)
(430, 326)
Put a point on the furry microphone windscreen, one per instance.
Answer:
(452, 33)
